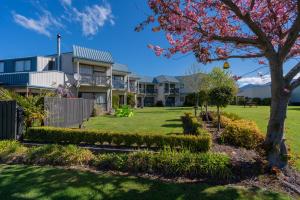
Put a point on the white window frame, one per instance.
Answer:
(25, 65)
(1, 67)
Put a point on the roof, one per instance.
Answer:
(120, 67)
(164, 78)
(134, 76)
(146, 79)
(92, 54)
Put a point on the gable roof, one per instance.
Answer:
(164, 78)
(92, 54)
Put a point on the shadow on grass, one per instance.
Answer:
(294, 108)
(173, 120)
(28, 182)
(171, 125)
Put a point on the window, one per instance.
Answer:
(181, 86)
(1, 67)
(100, 98)
(23, 65)
(84, 69)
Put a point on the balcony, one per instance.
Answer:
(171, 90)
(119, 84)
(132, 88)
(46, 79)
(95, 80)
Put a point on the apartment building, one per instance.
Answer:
(92, 74)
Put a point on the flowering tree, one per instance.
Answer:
(214, 30)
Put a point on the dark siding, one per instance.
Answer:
(14, 79)
(9, 64)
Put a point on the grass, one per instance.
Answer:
(31, 182)
(261, 116)
(146, 120)
(167, 121)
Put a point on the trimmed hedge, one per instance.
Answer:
(78, 136)
(191, 125)
(242, 133)
(168, 163)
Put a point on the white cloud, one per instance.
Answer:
(256, 80)
(66, 2)
(41, 25)
(92, 18)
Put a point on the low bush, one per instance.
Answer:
(159, 104)
(124, 111)
(11, 149)
(242, 133)
(59, 155)
(169, 163)
(77, 136)
(191, 125)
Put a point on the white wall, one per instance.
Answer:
(46, 79)
(43, 63)
(263, 91)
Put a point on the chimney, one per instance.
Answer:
(58, 51)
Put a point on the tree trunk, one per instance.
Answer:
(219, 120)
(206, 112)
(275, 141)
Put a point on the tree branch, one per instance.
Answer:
(236, 40)
(228, 39)
(251, 24)
(292, 73)
(238, 56)
(292, 36)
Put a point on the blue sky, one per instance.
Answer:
(29, 28)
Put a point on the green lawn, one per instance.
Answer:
(167, 121)
(261, 116)
(30, 182)
(146, 120)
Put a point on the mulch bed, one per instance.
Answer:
(250, 167)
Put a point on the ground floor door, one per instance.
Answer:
(121, 100)
(170, 101)
(139, 102)
(149, 101)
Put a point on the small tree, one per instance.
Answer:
(194, 80)
(115, 102)
(221, 97)
(131, 100)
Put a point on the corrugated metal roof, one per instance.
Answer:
(164, 78)
(120, 67)
(92, 54)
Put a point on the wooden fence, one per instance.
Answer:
(67, 112)
(11, 120)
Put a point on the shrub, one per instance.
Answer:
(257, 101)
(242, 133)
(169, 163)
(124, 111)
(60, 155)
(191, 125)
(77, 136)
(10, 150)
(115, 102)
(131, 100)
(159, 104)
(266, 101)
